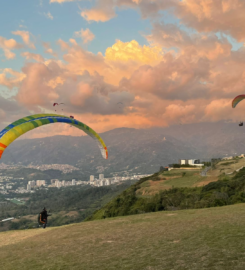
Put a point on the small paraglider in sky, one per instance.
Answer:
(236, 100)
(58, 104)
(71, 116)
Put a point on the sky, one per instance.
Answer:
(167, 61)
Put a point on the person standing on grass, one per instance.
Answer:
(43, 217)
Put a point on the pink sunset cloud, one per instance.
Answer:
(101, 12)
(86, 35)
(25, 35)
(181, 74)
(7, 45)
(34, 56)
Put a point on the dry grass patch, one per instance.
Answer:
(192, 239)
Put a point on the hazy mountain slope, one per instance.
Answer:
(131, 149)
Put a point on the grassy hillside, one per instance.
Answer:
(189, 177)
(189, 239)
(188, 191)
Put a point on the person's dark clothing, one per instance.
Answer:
(44, 218)
(44, 214)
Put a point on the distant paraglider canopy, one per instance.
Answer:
(57, 104)
(241, 124)
(236, 100)
(25, 124)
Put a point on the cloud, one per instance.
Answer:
(11, 78)
(181, 76)
(225, 16)
(22, 26)
(34, 90)
(7, 45)
(86, 35)
(174, 79)
(210, 16)
(204, 45)
(120, 60)
(33, 56)
(45, 84)
(25, 35)
(132, 51)
(48, 15)
(48, 49)
(102, 12)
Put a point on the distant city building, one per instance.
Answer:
(32, 183)
(101, 183)
(57, 183)
(40, 183)
(28, 187)
(91, 178)
(73, 182)
(63, 183)
(107, 182)
(53, 181)
(101, 176)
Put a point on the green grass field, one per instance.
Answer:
(17, 201)
(189, 239)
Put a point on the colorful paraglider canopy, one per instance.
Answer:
(25, 124)
(55, 104)
(236, 100)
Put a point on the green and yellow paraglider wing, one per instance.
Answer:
(23, 125)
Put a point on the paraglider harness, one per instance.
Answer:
(241, 124)
(42, 218)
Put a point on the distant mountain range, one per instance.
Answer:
(133, 150)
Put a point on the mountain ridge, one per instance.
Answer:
(131, 150)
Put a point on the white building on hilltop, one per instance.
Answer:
(101, 176)
(192, 162)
